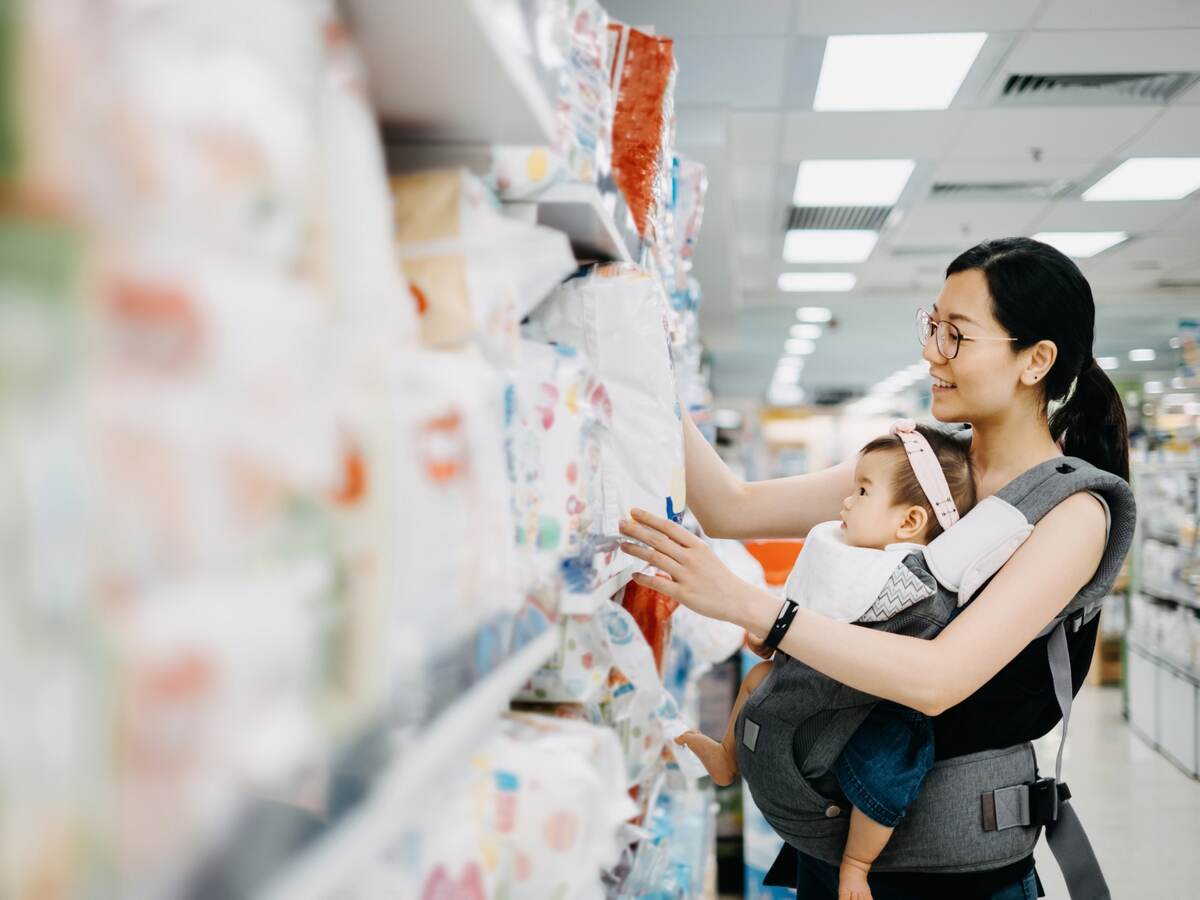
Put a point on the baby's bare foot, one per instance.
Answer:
(852, 880)
(721, 768)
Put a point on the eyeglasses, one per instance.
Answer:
(947, 335)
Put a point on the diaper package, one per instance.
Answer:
(359, 262)
(652, 612)
(582, 146)
(425, 526)
(537, 815)
(474, 274)
(616, 317)
(555, 424)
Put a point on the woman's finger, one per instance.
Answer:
(655, 539)
(677, 533)
(652, 556)
(659, 583)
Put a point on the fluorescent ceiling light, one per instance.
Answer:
(816, 281)
(817, 314)
(805, 332)
(1148, 178)
(785, 395)
(802, 347)
(828, 246)
(894, 71)
(1081, 244)
(851, 182)
(1153, 387)
(1108, 363)
(1144, 355)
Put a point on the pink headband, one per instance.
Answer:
(929, 472)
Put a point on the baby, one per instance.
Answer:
(908, 487)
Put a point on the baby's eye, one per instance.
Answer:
(862, 492)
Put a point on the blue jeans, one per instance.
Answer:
(882, 766)
(819, 881)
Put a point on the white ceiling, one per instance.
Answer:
(747, 75)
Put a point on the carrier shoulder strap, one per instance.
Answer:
(1035, 493)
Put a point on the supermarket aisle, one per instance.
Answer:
(1142, 813)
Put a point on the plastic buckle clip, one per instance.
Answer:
(1043, 801)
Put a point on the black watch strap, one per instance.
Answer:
(782, 623)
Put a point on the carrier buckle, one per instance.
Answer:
(1034, 803)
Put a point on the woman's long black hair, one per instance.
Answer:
(1039, 294)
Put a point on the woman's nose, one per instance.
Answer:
(931, 354)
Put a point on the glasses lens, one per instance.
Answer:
(924, 327)
(948, 339)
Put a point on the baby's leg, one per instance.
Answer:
(865, 842)
(720, 759)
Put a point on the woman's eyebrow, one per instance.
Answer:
(959, 317)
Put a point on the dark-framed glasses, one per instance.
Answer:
(946, 334)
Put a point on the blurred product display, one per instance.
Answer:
(295, 506)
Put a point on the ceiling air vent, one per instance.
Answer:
(1095, 88)
(998, 190)
(869, 218)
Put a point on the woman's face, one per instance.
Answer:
(981, 381)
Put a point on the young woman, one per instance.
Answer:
(1011, 332)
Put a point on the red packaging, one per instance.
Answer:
(643, 80)
(652, 612)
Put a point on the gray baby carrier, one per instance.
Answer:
(975, 812)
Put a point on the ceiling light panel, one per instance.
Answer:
(817, 282)
(818, 314)
(1081, 244)
(1148, 178)
(894, 71)
(851, 182)
(806, 332)
(828, 246)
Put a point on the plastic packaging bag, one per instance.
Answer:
(473, 272)
(616, 317)
(643, 81)
(582, 146)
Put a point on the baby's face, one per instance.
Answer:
(869, 516)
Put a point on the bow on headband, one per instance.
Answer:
(928, 470)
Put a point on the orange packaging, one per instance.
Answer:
(652, 611)
(642, 75)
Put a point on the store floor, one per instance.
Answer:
(1142, 814)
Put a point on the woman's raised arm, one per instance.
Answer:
(1059, 558)
(727, 507)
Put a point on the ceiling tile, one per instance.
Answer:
(705, 17)
(1175, 133)
(764, 214)
(1009, 170)
(754, 136)
(1098, 14)
(699, 126)
(868, 135)
(1134, 217)
(912, 16)
(1077, 52)
(962, 224)
(755, 181)
(1070, 133)
(741, 71)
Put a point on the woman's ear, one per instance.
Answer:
(913, 524)
(1041, 360)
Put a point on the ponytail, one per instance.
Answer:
(1038, 293)
(1091, 424)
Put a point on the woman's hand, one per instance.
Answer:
(693, 574)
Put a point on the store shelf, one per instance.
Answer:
(481, 91)
(1169, 596)
(400, 799)
(587, 216)
(586, 604)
